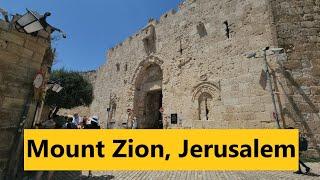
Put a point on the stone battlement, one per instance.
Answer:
(169, 14)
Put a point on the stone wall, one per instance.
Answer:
(298, 32)
(200, 50)
(21, 57)
(195, 54)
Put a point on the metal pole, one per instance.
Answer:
(107, 125)
(270, 86)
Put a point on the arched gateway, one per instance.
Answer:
(148, 95)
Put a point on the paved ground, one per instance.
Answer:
(189, 175)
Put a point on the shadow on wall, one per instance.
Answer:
(294, 112)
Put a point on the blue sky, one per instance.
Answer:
(92, 26)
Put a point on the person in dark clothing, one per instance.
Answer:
(86, 123)
(70, 124)
(303, 146)
(94, 123)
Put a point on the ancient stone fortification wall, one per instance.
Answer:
(196, 56)
(21, 57)
(198, 61)
(298, 31)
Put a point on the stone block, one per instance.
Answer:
(228, 117)
(253, 125)
(258, 108)
(4, 25)
(11, 37)
(231, 101)
(292, 64)
(5, 152)
(33, 67)
(268, 125)
(35, 47)
(10, 102)
(8, 57)
(234, 124)
(255, 100)
(262, 117)
(316, 98)
(19, 50)
(246, 116)
(244, 100)
(3, 44)
(6, 137)
(316, 69)
(315, 90)
(306, 108)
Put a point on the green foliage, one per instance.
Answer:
(76, 91)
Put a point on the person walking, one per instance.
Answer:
(92, 123)
(77, 120)
(134, 123)
(130, 116)
(86, 123)
(303, 146)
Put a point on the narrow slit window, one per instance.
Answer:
(118, 66)
(227, 29)
(201, 29)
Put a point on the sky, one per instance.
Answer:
(92, 26)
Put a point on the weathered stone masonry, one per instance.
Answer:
(298, 31)
(191, 62)
(21, 57)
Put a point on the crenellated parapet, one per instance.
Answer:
(150, 26)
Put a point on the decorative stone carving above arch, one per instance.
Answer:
(152, 59)
(204, 97)
(210, 88)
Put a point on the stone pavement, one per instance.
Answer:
(189, 175)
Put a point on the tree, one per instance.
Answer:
(76, 91)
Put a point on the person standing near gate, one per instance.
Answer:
(92, 123)
(130, 118)
(134, 123)
(77, 120)
(303, 146)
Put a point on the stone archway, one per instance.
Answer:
(204, 95)
(148, 95)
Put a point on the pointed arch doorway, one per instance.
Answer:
(148, 97)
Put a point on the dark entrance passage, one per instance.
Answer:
(148, 97)
(152, 105)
